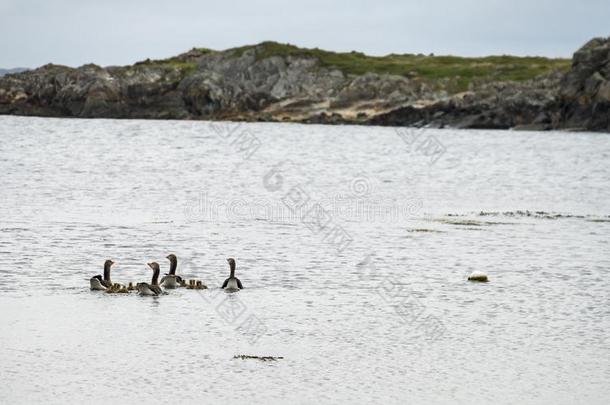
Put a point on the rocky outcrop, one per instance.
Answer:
(503, 105)
(251, 83)
(576, 100)
(584, 95)
(91, 91)
(229, 85)
(233, 84)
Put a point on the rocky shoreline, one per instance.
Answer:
(273, 82)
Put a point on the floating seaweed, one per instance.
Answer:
(469, 222)
(261, 358)
(529, 214)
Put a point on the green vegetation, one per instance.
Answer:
(184, 62)
(185, 67)
(462, 70)
(202, 51)
(161, 62)
(451, 73)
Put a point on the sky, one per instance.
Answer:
(117, 32)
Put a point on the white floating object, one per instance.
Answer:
(477, 276)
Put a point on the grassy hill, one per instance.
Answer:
(453, 73)
(432, 68)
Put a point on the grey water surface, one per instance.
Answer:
(353, 244)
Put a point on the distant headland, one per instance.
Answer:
(283, 83)
(12, 70)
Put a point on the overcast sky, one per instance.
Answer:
(109, 32)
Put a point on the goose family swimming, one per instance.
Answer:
(101, 284)
(153, 288)
(232, 283)
(171, 280)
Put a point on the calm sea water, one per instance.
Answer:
(353, 243)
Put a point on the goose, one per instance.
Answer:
(232, 283)
(153, 288)
(171, 280)
(101, 284)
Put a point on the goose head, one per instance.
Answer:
(154, 266)
(231, 262)
(173, 262)
(107, 264)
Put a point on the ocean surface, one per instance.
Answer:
(354, 245)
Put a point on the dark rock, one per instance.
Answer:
(584, 96)
(492, 106)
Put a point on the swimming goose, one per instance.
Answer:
(171, 280)
(152, 288)
(232, 283)
(99, 283)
